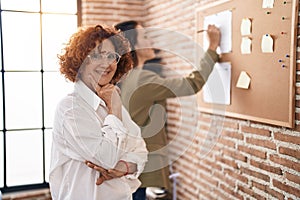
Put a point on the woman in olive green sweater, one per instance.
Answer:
(144, 94)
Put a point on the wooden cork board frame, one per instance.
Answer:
(271, 96)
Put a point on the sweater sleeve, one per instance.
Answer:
(162, 88)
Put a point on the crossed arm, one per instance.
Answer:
(122, 168)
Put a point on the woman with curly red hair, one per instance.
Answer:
(91, 123)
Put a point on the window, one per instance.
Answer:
(32, 33)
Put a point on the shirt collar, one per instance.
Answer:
(88, 95)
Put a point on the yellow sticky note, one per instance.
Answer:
(243, 81)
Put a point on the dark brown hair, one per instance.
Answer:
(129, 31)
(84, 41)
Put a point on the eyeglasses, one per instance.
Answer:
(111, 57)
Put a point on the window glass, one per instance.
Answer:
(59, 6)
(23, 96)
(1, 93)
(48, 143)
(1, 104)
(24, 156)
(55, 88)
(21, 41)
(1, 160)
(54, 38)
(22, 5)
(33, 34)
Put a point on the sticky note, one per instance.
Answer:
(246, 26)
(243, 81)
(267, 44)
(246, 45)
(268, 4)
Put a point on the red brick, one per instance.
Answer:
(232, 134)
(297, 103)
(238, 196)
(255, 174)
(239, 177)
(210, 179)
(220, 193)
(227, 143)
(287, 188)
(232, 125)
(203, 191)
(252, 151)
(291, 152)
(285, 162)
(42, 194)
(256, 131)
(230, 163)
(222, 178)
(298, 76)
(204, 118)
(262, 143)
(297, 116)
(267, 167)
(296, 127)
(287, 138)
(250, 192)
(298, 65)
(235, 154)
(268, 190)
(230, 191)
(205, 168)
(298, 88)
(292, 177)
(212, 165)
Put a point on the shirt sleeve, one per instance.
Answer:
(136, 151)
(86, 139)
(113, 129)
(162, 88)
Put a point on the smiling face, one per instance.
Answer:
(101, 65)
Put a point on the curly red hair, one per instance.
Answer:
(84, 41)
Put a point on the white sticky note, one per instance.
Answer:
(243, 81)
(246, 26)
(246, 45)
(267, 44)
(217, 88)
(268, 4)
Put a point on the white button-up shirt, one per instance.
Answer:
(80, 134)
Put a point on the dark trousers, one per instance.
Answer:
(140, 194)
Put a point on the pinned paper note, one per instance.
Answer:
(246, 26)
(217, 88)
(267, 44)
(246, 45)
(268, 4)
(223, 21)
(243, 81)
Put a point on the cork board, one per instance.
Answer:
(270, 97)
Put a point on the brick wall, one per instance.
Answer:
(220, 157)
(111, 11)
(40, 194)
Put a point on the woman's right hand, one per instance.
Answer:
(214, 37)
(121, 169)
(111, 96)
